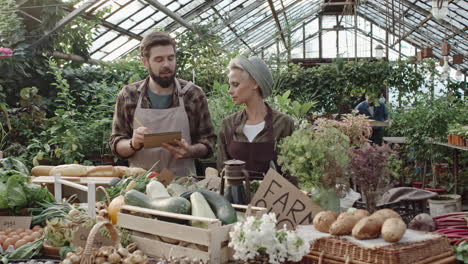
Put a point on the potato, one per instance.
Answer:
(323, 220)
(367, 228)
(344, 224)
(361, 213)
(386, 213)
(393, 229)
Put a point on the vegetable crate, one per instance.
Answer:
(158, 234)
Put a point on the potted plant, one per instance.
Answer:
(317, 156)
(372, 168)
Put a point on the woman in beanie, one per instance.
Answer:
(251, 135)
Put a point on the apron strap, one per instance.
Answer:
(181, 91)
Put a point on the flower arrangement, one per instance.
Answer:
(371, 168)
(255, 238)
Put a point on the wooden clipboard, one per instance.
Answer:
(155, 140)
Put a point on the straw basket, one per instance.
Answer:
(333, 250)
(91, 247)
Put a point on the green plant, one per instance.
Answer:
(295, 109)
(461, 251)
(317, 156)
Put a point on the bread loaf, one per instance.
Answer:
(102, 171)
(135, 172)
(122, 170)
(323, 220)
(367, 228)
(74, 170)
(41, 170)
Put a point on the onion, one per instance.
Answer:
(114, 258)
(99, 260)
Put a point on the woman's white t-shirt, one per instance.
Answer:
(251, 131)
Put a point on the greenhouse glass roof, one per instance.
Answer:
(256, 26)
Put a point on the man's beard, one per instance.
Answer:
(164, 82)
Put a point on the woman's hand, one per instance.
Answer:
(181, 149)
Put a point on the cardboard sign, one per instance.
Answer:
(156, 140)
(15, 222)
(291, 206)
(81, 236)
(166, 177)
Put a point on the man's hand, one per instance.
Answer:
(181, 149)
(138, 135)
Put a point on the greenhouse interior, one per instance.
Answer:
(233, 131)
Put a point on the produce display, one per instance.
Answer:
(11, 239)
(454, 226)
(109, 254)
(77, 170)
(361, 225)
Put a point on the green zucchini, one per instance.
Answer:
(201, 208)
(175, 189)
(220, 206)
(176, 205)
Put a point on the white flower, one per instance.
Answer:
(254, 235)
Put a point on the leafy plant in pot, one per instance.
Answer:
(372, 168)
(318, 157)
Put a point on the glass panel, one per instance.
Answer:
(312, 48)
(363, 46)
(329, 44)
(328, 21)
(120, 51)
(346, 44)
(123, 13)
(103, 39)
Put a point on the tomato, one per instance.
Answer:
(153, 175)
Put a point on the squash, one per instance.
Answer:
(114, 208)
(220, 205)
(175, 189)
(201, 208)
(156, 189)
(176, 205)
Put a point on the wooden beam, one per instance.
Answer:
(277, 22)
(193, 13)
(168, 12)
(441, 22)
(451, 36)
(264, 21)
(67, 19)
(428, 17)
(73, 57)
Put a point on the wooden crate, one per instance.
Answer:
(162, 239)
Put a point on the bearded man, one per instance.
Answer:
(162, 103)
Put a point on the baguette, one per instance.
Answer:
(41, 170)
(75, 170)
(103, 171)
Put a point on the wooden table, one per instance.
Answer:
(48, 181)
(456, 151)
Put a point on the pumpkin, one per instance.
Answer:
(114, 208)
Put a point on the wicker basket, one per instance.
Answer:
(90, 249)
(336, 250)
(406, 209)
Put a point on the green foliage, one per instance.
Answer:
(316, 156)
(220, 104)
(201, 57)
(461, 251)
(428, 119)
(12, 30)
(295, 109)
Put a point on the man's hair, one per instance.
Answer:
(155, 39)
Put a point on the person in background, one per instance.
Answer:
(162, 103)
(251, 135)
(375, 109)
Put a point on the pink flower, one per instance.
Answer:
(5, 53)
